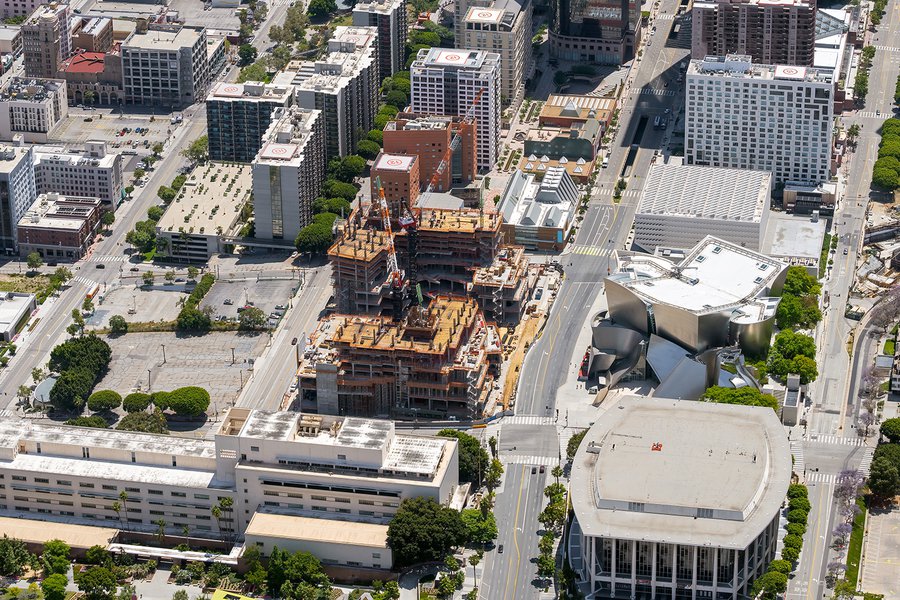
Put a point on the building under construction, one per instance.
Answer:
(436, 362)
(502, 289)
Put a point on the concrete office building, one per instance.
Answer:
(238, 115)
(762, 117)
(429, 138)
(538, 214)
(503, 27)
(167, 65)
(99, 73)
(719, 294)
(95, 173)
(681, 204)
(32, 108)
(93, 34)
(18, 8)
(332, 469)
(389, 17)
(15, 310)
(602, 31)
(447, 82)
(17, 191)
(344, 85)
(782, 32)
(45, 40)
(59, 227)
(288, 172)
(677, 499)
(11, 40)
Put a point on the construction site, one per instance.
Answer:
(437, 362)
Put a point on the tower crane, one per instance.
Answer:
(395, 274)
(409, 221)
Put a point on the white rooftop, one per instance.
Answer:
(154, 39)
(795, 238)
(715, 275)
(681, 471)
(395, 162)
(484, 15)
(742, 66)
(12, 308)
(251, 90)
(708, 192)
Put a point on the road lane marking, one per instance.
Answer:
(516, 538)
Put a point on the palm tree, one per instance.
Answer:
(474, 560)
(226, 504)
(117, 508)
(217, 515)
(160, 530)
(557, 472)
(123, 497)
(186, 532)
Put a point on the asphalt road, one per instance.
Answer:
(513, 574)
(34, 348)
(276, 368)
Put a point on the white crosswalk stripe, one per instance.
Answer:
(665, 17)
(866, 461)
(528, 420)
(108, 258)
(653, 92)
(837, 440)
(524, 459)
(888, 48)
(871, 114)
(592, 250)
(625, 194)
(821, 477)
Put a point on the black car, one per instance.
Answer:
(294, 342)
(100, 266)
(500, 549)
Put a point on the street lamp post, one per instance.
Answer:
(164, 352)
(232, 355)
(148, 379)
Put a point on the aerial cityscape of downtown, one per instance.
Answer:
(449, 299)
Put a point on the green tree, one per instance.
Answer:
(34, 260)
(888, 451)
(191, 319)
(397, 98)
(104, 400)
(93, 421)
(315, 238)
(148, 277)
(376, 136)
(108, 219)
(494, 474)
(71, 390)
(800, 502)
(574, 442)
(55, 557)
(190, 401)
(252, 319)
(14, 557)
(747, 396)
(480, 528)
(334, 206)
(198, 151)
(321, 8)
(154, 422)
(797, 490)
(62, 274)
(255, 72)
(155, 213)
(790, 554)
(781, 566)
(118, 325)
(853, 132)
(192, 272)
(98, 555)
(166, 194)
(890, 429)
(247, 53)
(884, 178)
(332, 188)
(97, 583)
(136, 402)
(797, 516)
(473, 458)
(884, 480)
(54, 586)
(368, 149)
(770, 586)
(423, 530)
(793, 541)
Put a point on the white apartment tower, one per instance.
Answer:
(761, 117)
(447, 82)
(288, 173)
(389, 17)
(95, 173)
(503, 27)
(343, 84)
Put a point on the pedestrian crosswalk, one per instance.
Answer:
(816, 477)
(887, 48)
(109, 258)
(653, 92)
(592, 250)
(525, 459)
(528, 420)
(85, 281)
(871, 114)
(610, 192)
(866, 461)
(664, 17)
(797, 453)
(835, 440)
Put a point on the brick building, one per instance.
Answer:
(59, 227)
(399, 176)
(428, 137)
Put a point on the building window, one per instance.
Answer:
(277, 208)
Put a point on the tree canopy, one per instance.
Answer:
(136, 402)
(252, 318)
(299, 574)
(890, 429)
(884, 480)
(198, 151)
(14, 557)
(747, 396)
(190, 401)
(480, 528)
(104, 400)
(97, 583)
(473, 458)
(423, 530)
(793, 353)
(154, 422)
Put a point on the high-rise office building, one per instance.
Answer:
(503, 27)
(45, 40)
(288, 173)
(762, 117)
(448, 82)
(237, 116)
(167, 65)
(776, 33)
(343, 84)
(595, 31)
(17, 192)
(389, 18)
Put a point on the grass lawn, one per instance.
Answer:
(854, 550)
(24, 283)
(889, 347)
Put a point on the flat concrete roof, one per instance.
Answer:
(154, 39)
(289, 527)
(37, 532)
(793, 236)
(394, 162)
(225, 188)
(681, 471)
(706, 192)
(13, 307)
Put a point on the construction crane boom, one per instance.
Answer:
(394, 271)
